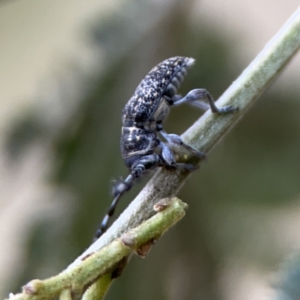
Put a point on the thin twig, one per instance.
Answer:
(97, 291)
(75, 281)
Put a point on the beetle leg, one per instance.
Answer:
(195, 97)
(170, 161)
(175, 139)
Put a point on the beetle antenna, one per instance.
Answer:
(119, 189)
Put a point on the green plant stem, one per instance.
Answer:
(65, 295)
(98, 290)
(80, 278)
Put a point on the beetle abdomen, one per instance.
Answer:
(162, 80)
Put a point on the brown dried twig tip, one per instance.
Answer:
(162, 204)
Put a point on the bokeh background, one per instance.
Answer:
(67, 67)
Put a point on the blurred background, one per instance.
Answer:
(67, 68)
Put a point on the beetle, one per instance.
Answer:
(143, 117)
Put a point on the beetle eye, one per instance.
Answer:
(141, 117)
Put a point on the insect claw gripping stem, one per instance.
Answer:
(142, 119)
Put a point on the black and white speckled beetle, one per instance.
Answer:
(142, 118)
